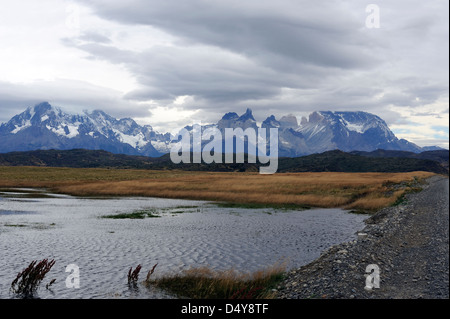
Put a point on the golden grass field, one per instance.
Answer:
(363, 191)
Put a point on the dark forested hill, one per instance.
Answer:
(331, 161)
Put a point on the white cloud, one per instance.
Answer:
(170, 118)
(426, 124)
(32, 47)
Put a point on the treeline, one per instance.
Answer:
(331, 161)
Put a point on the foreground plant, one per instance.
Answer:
(150, 273)
(139, 214)
(27, 282)
(133, 275)
(204, 283)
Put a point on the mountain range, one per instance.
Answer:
(44, 127)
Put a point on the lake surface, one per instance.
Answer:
(37, 225)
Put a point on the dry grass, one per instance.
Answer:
(204, 283)
(367, 191)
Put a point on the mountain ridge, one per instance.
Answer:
(330, 161)
(44, 126)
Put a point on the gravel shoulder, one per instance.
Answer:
(409, 243)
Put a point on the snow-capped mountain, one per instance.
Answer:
(232, 120)
(349, 131)
(47, 127)
(290, 141)
(322, 131)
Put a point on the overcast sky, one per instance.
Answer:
(171, 63)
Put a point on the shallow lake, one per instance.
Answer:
(35, 225)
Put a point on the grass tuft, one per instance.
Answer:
(140, 214)
(205, 283)
(133, 275)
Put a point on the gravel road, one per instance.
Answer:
(408, 243)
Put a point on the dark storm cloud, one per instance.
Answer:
(231, 52)
(205, 72)
(324, 34)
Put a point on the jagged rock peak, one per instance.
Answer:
(269, 122)
(230, 116)
(289, 120)
(315, 117)
(248, 115)
(42, 107)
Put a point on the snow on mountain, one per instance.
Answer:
(44, 127)
(290, 142)
(349, 131)
(232, 120)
